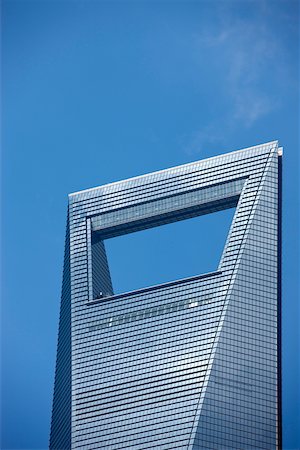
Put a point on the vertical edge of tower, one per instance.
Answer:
(60, 434)
(279, 295)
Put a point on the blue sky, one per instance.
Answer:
(94, 92)
(174, 251)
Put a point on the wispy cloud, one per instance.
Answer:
(249, 50)
(209, 135)
(251, 56)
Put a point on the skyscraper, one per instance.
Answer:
(188, 364)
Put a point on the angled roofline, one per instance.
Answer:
(73, 194)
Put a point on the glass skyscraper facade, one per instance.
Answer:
(189, 364)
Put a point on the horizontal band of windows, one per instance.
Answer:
(242, 401)
(143, 373)
(240, 424)
(84, 320)
(174, 342)
(139, 383)
(120, 422)
(121, 353)
(131, 302)
(153, 334)
(183, 341)
(169, 397)
(227, 440)
(150, 312)
(266, 342)
(132, 431)
(262, 319)
(78, 237)
(148, 391)
(131, 376)
(141, 365)
(140, 441)
(163, 443)
(259, 387)
(78, 231)
(80, 244)
(81, 330)
(151, 412)
(137, 364)
(255, 350)
(155, 340)
(150, 346)
(201, 356)
(262, 358)
(87, 317)
(264, 419)
(231, 426)
(77, 253)
(78, 260)
(130, 428)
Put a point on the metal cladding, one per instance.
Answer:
(190, 364)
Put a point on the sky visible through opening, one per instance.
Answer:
(168, 252)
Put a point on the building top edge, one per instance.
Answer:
(265, 146)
